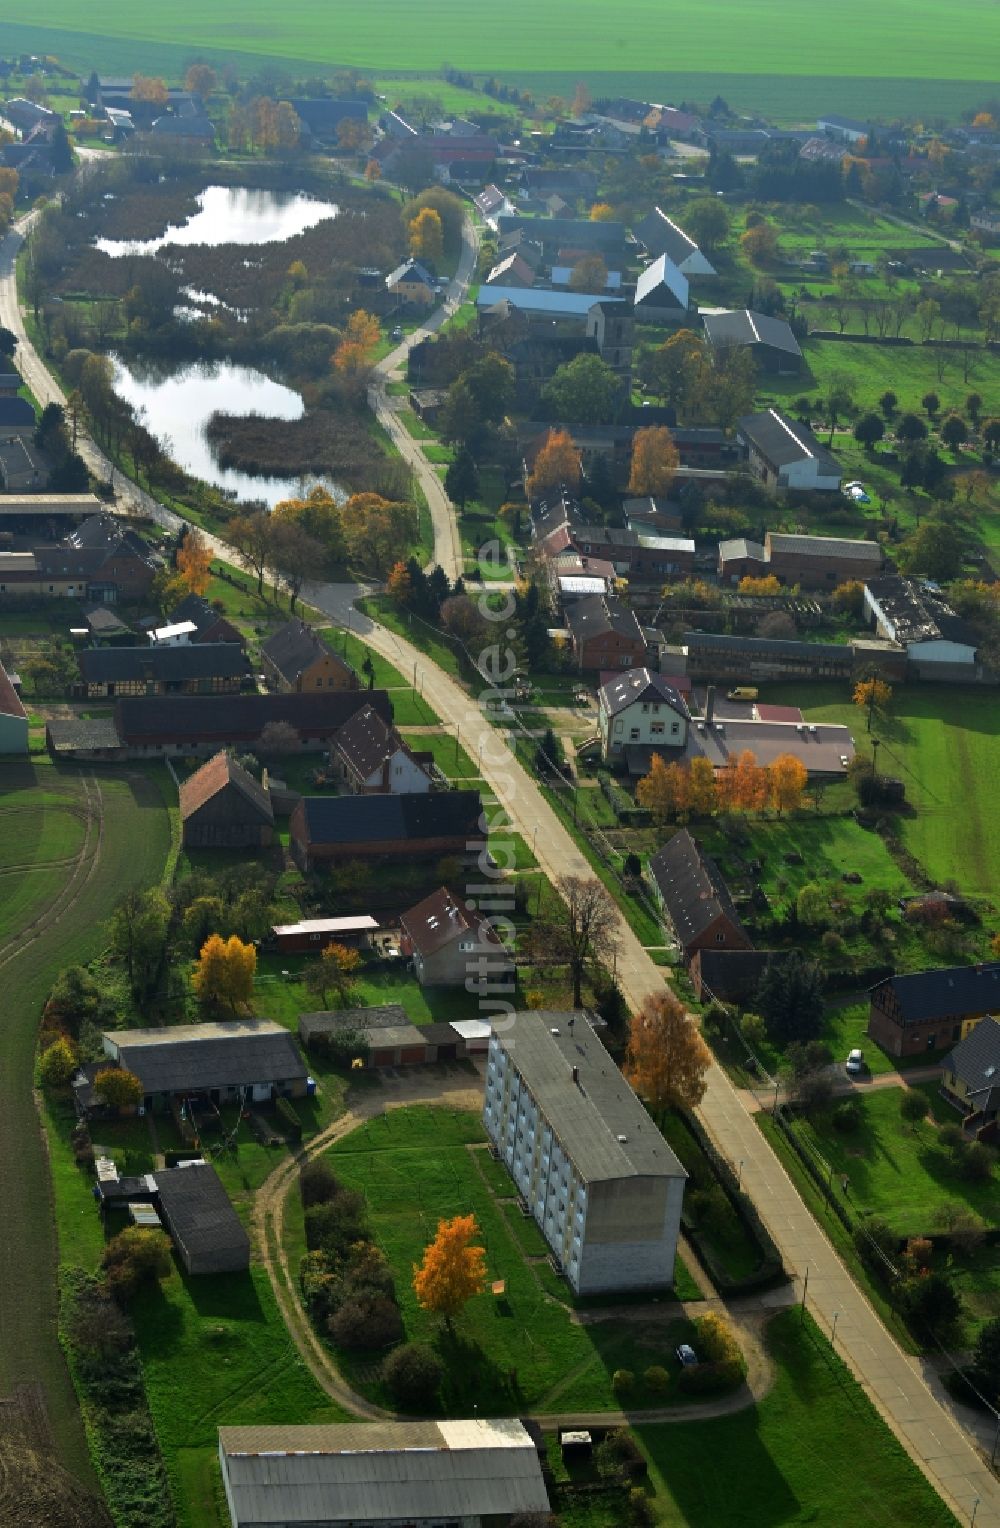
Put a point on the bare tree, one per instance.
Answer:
(584, 928)
(295, 556)
(251, 537)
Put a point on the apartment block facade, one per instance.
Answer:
(598, 1178)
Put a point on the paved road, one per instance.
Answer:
(908, 1394)
(447, 539)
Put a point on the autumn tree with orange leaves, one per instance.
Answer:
(655, 459)
(664, 791)
(557, 465)
(453, 1268)
(225, 972)
(666, 1058)
(194, 562)
(743, 785)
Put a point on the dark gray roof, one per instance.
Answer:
(105, 533)
(188, 1058)
(783, 440)
(321, 114)
(944, 992)
(976, 1059)
(827, 546)
(662, 236)
(565, 233)
(17, 411)
(409, 815)
(410, 270)
(365, 742)
(639, 684)
(194, 660)
(239, 718)
(198, 611)
(762, 645)
(692, 889)
(599, 614)
(79, 734)
(199, 1214)
(342, 1020)
(601, 1124)
(742, 326)
(191, 125)
(294, 647)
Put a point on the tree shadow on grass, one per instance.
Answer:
(744, 1472)
(225, 1297)
(472, 1379)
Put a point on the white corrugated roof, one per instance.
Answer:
(398, 1471)
(359, 925)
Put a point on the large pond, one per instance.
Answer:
(234, 215)
(177, 403)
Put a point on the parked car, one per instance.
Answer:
(855, 1063)
(856, 491)
(397, 333)
(686, 1356)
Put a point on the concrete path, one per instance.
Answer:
(447, 538)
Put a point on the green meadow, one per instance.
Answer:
(759, 53)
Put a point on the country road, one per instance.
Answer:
(905, 1390)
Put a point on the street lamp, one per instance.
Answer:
(833, 1334)
(876, 745)
(739, 1176)
(975, 1509)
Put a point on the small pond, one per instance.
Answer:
(177, 403)
(234, 215)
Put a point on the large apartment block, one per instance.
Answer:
(599, 1179)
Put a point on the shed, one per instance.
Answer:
(205, 1229)
(224, 807)
(311, 935)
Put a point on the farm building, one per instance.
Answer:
(210, 625)
(718, 655)
(369, 757)
(662, 236)
(296, 660)
(782, 453)
(479, 1474)
(411, 826)
(255, 1059)
(210, 668)
(385, 1036)
(155, 726)
(731, 976)
(927, 1010)
(939, 644)
(451, 944)
(313, 934)
(603, 1186)
(695, 898)
(224, 807)
(661, 293)
(811, 562)
(13, 718)
(605, 634)
(205, 1229)
(770, 340)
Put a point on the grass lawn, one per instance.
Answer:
(133, 851)
(942, 742)
(976, 1277)
(869, 370)
(898, 1171)
(449, 755)
(418, 1165)
(215, 1351)
(813, 1451)
(383, 609)
(284, 998)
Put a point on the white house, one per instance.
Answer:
(372, 759)
(781, 453)
(939, 643)
(451, 944)
(640, 709)
(661, 291)
(600, 1181)
(177, 635)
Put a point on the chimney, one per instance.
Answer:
(710, 703)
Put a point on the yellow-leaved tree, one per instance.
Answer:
(225, 972)
(655, 459)
(453, 1268)
(666, 1059)
(194, 562)
(557, 465)
(787, 777)
(426, 234)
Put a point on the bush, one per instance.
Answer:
(715, 1339)
(619, 1454)
(623, 1382)
(976, 1162)
(951, 1137)
(640, 1509)
(847, 1116)
(929, 1300)
(963, 1227)
(913, 1106)
(367, 1320)
(289, 1116)
(656, 1379)
(413, 1375)
(337, 1224)
(317, 1183)
(875, 1239)
(133, 1258)
(712, 1379)
(58, 1064)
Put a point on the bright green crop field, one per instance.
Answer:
(885, 58)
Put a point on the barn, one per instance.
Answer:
(224, 807)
